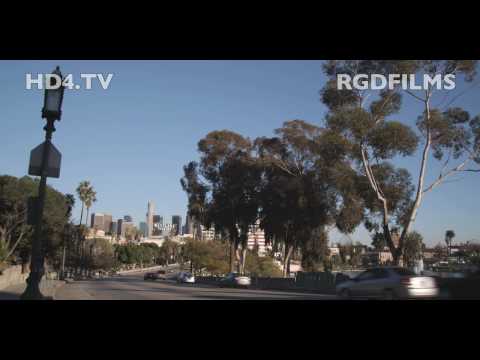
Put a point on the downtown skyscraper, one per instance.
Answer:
(150, 213)
(177, 221)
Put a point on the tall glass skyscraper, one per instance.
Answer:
(177, 221)
(150, 211)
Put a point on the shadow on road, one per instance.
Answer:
(5, 295)
(196, 291)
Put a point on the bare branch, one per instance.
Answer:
(15, 245)
(415, 96)
(461, 94)
(442, 177)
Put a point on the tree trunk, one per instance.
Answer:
(244, 257)
(81, 214)
(286, 259)
(232, 256)
(238, 259)
(86, 218)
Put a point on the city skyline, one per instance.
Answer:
(155, 108)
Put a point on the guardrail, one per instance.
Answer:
(159, 267)
(321, 282)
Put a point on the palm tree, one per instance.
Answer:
(449, 235)
(82, 192)
(91, 198)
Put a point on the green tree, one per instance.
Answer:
(169, 251)
(305, 187)
(15, 232)
(449, 236)
(206, 256)
(262, 266)
(83, 193)
(231, 172)
(101, 254)
(315, 252)
(413, 248)
(91, 197)
(378, 241)
(197, 196)
(362, 119)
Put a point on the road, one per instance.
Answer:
(133, 287)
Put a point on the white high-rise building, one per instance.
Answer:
(150, 211)
(256, 239)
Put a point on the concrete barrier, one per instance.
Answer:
(208, 280)
(153, 268)
(140, 270)
(321, 282)
(12, 276)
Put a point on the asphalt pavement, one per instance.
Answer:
(133, 287)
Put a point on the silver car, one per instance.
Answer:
(388, 283)
(185, 277)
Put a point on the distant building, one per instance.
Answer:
(334, 251)
(143, 229)
(96, 221)
(120, 230)
(256, 239)
(128, 218)
(177, 221)
(188, 229)
(378, 257)
(107, 223)
(157, 223)
(101, 222)
(113, 228)
(150, 211)
(429, 254)
(207, 234)
(168, 230)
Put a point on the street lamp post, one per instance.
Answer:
(51, 111)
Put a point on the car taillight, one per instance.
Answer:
(406, 281)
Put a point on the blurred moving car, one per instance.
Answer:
(235, 280)
(389, 283)
(157, 275)
(185, 277)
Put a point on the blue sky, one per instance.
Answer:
(132, 140)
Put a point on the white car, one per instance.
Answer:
(235, 280)
(389, 283)
(186, 277)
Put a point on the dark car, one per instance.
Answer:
(157, 275)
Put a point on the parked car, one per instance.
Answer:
(389, 283)
(235, 280)
(157, 275)
(185, 277)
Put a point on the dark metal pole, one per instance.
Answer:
(32, 292)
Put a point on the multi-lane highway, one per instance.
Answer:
(133, 287)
